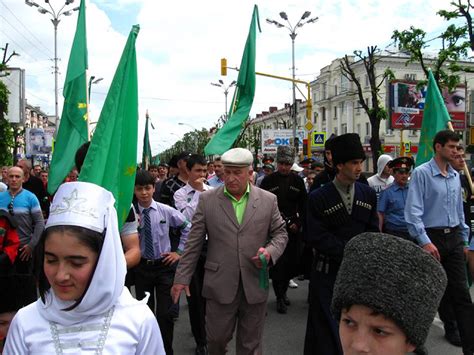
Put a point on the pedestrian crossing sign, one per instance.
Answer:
(318, 139)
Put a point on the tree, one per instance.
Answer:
(7, 142)
(445, 64)
(376, 111)
(460, 10)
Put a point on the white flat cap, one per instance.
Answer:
(239, 157)
(296, 167)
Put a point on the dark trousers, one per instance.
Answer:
(197, 304)
(322, 330)
(280, 287)
(157, 279)
(24, 269)
(451, 249)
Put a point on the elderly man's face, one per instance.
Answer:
(236, 179)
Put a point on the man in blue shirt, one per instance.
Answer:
(155, 272)
(391, 206)
(218, 178)
(435, 219)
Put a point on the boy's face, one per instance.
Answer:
(363, 331)
(144, 194)
(5, 320)
(197, 173)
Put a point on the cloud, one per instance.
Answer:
(180, 45)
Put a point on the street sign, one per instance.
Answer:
(407, 146)
(309, 126)
(318, 139)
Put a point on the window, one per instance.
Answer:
(335, 112)
(345, 84)
(366, 81)
(335, 90)
(410, 77)
(343, 128)
(315, 117)
(367, 128)
(323, 91)
(342, 106)
(323, 114)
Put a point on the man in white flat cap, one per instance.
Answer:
(246, 234)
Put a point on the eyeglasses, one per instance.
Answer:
(10, 207)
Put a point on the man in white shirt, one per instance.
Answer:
(186, 200)
(383, 178)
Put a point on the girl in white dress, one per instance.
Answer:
(84, 306)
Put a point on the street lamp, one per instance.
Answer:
(93, 80)
(302, 21)
(55, 20)
(187, 124)
(226, 91)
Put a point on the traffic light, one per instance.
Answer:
(223, 66)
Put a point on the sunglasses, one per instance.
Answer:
(10, 208)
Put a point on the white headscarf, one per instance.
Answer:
(90, 206)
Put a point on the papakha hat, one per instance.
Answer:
(285, 154)
(393, 277)
(345, 148)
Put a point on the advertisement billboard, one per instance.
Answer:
(15, 82)
(39, 140)
(407, 104)
(272, 138)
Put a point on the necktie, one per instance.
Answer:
(149, 251)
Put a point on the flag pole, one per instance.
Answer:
(466, 170)
(88, 102)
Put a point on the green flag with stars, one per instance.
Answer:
(112, 156)
(435, 119)
(243, 96)
(73, 131)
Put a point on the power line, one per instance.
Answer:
(28, 30)
(24, 51)
(21, 34)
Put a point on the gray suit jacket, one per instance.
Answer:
(231, 246)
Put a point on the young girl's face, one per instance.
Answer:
(68, 265)
(364, 332)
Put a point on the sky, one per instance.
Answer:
(181, 42)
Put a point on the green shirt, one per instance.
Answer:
(239, 205)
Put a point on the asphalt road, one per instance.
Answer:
(284, 334)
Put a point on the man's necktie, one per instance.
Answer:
(149, 251)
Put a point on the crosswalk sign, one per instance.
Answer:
(318, 139)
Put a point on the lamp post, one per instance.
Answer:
(93, 80)
(55, 20)
(226, 92)
(302, 21)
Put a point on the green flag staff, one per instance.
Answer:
(73, 129)
(112, 156)
(243, 95)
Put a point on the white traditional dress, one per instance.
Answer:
(108, 320)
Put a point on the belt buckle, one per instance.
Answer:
(150, 262)
(447, 230)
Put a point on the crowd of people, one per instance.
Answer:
(382, 254)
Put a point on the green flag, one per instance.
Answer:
(72, 131)
(146, 155)
(243, 96)
(435, 119)
(111, 159)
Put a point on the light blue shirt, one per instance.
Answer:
(434, 201)
(392, 204)
(215, 181)
(163, 217)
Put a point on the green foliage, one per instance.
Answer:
(193, 142)
(444, 65)
(6, 132)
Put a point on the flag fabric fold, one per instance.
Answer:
(73, 128)
(243, 95)
(111, 159)
(146, 155)
(435, 119)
